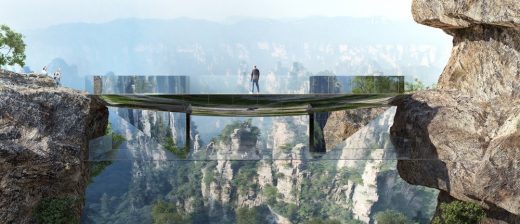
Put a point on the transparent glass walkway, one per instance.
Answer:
(325, 94)
(205, 150)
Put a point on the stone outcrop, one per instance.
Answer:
(464, 138)
(456, 14)
(44, 134)
(342, 124)
(485, 63)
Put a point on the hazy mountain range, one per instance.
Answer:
(345, 46)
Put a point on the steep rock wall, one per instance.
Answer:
(44, 134)
(464, 138)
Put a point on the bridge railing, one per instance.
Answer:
(226, 84)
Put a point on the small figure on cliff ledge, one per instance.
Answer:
(57, 76)
(44, 71)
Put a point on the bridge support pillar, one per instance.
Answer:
(188, 131)
(311, 132)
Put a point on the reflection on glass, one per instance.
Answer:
(265, 191)
(225, 84)
(248, 169)
(245, 170)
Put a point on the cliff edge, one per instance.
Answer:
(44, 134)
(464, 138)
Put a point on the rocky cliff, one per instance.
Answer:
(464, 138)
(44, 134)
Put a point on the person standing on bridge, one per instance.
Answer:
(255, 76)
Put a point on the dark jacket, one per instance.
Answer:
(255, 74)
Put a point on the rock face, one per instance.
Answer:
(484, 63)
(370, 150)
(345, 123)
(44, 134)
(464, 138)
(456, 14)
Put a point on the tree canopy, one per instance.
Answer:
(392, 217)
(12, 47)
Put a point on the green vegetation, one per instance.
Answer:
(376, 84)
(388, 166)
(166, 213)
(56, 211)
(12, 47)
(287, 147)
(417, 85)
(288, 210)
(352, 174)
(417, 205)
(271, 194)
(210, 173)
(319, 138)
(363, 85)
(117, 139)
(384, 84)
(181, 185)
(244, 179)
(459, 212)
(414, 86)
(97, 167)
(392, 217)
(225, 134)
(318, 221)
(255, 215)
(311, 204)
(170, 145)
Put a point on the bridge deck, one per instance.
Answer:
(247, 104)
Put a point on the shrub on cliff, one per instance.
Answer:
(459, 212)
(258, 214)
(55, 211)
(392, 217)
(170, 145)
(225, 134)
(164, 212)
(12, 47)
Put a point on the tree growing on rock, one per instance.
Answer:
(459, 212)
(12, 47)
(392, 217)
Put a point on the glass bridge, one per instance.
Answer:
(176, 94)
(206, 150)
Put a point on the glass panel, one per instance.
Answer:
(225, 84)
(262, 191)
(275, 167)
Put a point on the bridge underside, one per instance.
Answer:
(248, 105)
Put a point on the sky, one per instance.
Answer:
(31, 14)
